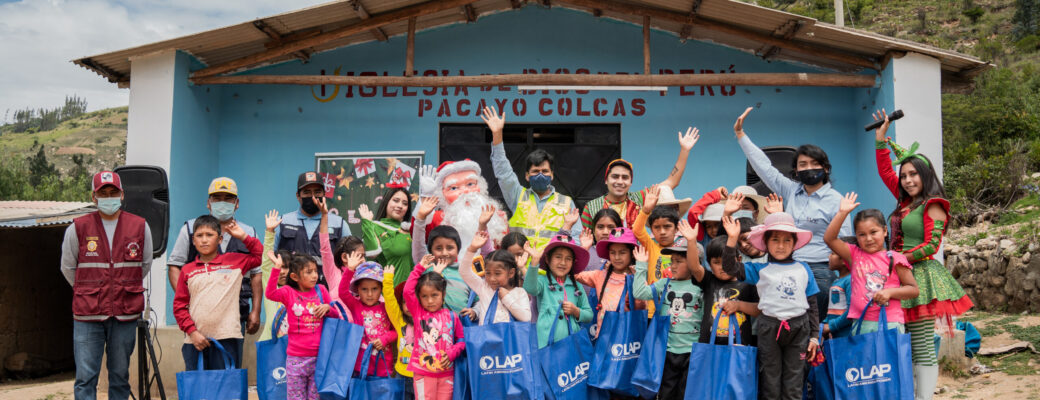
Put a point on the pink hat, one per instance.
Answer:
(780, 221)
(105, 178)
(617, 235)
(581, 256)
(367, 270)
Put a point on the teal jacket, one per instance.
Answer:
(537, 285)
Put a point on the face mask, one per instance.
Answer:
(811, 176)
(309, 206)
(540, 182)
(222, 210)
(109, 205)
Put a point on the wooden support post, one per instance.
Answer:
(363, 14)
(646, 45)
(737, 79)
(409, 58)
(376, 21)
(471, 14)
(683, 18)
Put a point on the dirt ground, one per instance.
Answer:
(1015, 376)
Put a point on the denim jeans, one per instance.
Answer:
(91, 340)
(824, 278)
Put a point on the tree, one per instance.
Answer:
(1026, 19)
(39, 167)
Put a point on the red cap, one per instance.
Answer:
(105, 178)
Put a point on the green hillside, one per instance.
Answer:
(99, 136)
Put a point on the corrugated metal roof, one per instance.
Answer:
(25, 214)
(218, 46)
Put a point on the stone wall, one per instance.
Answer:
(998, 273)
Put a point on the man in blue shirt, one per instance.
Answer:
(298, 232)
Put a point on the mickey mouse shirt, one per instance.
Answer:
(684, 307)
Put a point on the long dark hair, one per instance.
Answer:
(931, 186)
(570, 274)
(610, 266)
(509, 261)
(606, 213)
(295, 263)
(389, 194)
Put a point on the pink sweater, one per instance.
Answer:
(333, 273)
(377, 326)
(304, 328)
(438, 334)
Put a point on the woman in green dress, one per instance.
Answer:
(918, 225)
(386, 236)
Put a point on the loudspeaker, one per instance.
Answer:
(146, 193)
(782, 158)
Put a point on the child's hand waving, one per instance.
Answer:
(738, 127)
(232, 228)
(427, 261)
(389, 269)
(731, 225)
(354, 259)
(688, 232)
(535, 254)
(271, 220)
(650, 198)
(486, 213)
(722, 191)
(521, 263)
(276, 259)
(426, 207)
(586, 239)
(440, 266)
(733, 203)
(774, 203)
(570, 219)
(848, 203)
(479, 240)
(365, 213)
(641, 254)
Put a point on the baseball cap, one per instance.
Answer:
(674, 250)
(223, 185)
(105, 178)
(309, 178)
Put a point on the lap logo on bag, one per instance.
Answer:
(627, 351)
(876, 374)
(279, 375)
(500, 365)
(569, 379)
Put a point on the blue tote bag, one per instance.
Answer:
(650, 368)
(873, 365)
(337, 354)
(819, 377)
(366, 387)
(462, 390)
(229, 383)
(565, 362)
(270, 362)
(501, 358)
(618, 347)
(723, 372)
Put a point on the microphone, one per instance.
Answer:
(897, 114)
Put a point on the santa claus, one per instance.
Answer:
(461, 194)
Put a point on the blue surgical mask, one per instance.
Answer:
(540, 182)
(109, 205)
(222, 210)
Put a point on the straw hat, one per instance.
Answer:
(751, 194)
(667, 198)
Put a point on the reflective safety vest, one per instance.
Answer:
(539, 227)
(109, 284)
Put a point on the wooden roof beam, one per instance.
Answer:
(425, 8)
(277, 39)
(514, 3)
(108, 73)
(687, 29)
(363, 14)
(736, 79)
(471, 14)
(684, 18)
(786, 31)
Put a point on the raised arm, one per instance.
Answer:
(639, 226)
(692, 253)
(839, 247)
(410, 300)
(469, 276)
(507, 179)
(426, 207)
(640, 289)
(729, 255)
(393, 308)
(686, 143)
(776, 181)
(884, 161)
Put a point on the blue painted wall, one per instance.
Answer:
(264, 135)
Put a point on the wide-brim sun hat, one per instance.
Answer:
(713, 213)
(752, 194)
(782, 222)
(367, 270)
(617, 235)
(667, 198)
(581, 256)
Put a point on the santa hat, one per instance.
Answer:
(450, 167)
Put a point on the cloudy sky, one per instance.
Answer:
(38, 38)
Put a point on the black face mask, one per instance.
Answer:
(811, 176)
(308, 205)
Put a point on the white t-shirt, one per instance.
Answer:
(783, 289)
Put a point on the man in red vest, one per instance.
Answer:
(105, 257)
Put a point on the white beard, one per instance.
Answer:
(464, 216)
